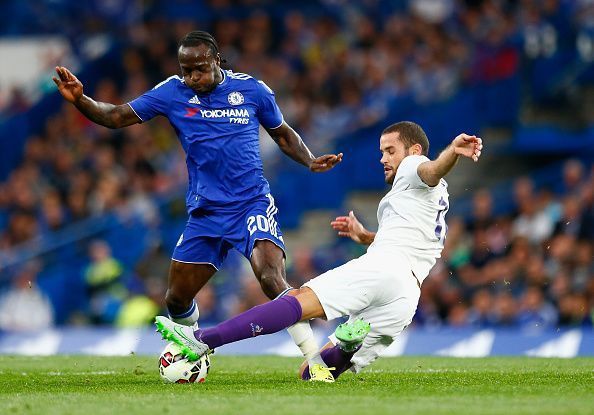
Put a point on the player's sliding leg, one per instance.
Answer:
(350, 336)
(268, 263)
(185, 280)
(263, 319)
(336, 358)
(303, 336)
(267, 318)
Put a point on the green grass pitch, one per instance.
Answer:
(268, 385)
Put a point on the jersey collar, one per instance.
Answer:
(224, 80)
(220, 84)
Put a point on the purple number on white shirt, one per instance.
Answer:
(441, 229)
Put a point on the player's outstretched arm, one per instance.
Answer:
(464, 145)
(102, 113)
(293, 146)
(350, 227)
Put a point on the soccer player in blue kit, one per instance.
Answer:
(216, 114)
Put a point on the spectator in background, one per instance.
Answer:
(155, 263)
(587, 218)
(550, 204)
(535, 312)
(532, 222)
(456, 251)
(210, 311)
(583, 265)
(53, 215)
(251, 294)
(574, 311)
(560, 256)
(24, 306)
(506, 310)
(482, 210)
(573, 178)
(140, 309)
(481, 310)
(458, 315)
(301, 267)
(570, 222)
(105, 285)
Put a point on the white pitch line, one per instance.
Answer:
(98, 373)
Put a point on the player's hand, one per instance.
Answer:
(68, 84)
(350, 227)
(469, 146)
(325, 162)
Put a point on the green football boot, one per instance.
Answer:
(183, 336)
(351, 335)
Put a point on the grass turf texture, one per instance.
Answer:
(255, 385)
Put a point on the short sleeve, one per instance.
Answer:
(408, 171)
(154, 102)
(269, 114)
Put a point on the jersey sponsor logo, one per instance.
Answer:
(235, 98)
(194, 100)
(235, 115)
(190, 112)
(227, 112)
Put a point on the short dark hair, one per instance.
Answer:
(198, 37)
(409, 133)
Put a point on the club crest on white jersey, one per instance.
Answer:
(235, 98)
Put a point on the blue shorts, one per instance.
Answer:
(210, 234)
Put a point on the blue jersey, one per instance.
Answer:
(219, 133)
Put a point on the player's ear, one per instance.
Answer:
(415, 150)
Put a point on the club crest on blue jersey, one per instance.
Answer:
(235, 98)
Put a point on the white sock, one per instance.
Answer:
(189, 318)
(304, 339)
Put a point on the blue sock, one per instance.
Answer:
(188, 317)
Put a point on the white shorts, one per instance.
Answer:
(380, 289)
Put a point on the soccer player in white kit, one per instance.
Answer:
(380, 290)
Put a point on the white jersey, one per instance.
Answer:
(411, 218)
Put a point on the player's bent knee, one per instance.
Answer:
(176, 302)
(273, 284)
(310, 303)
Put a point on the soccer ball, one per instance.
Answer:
(175, 368)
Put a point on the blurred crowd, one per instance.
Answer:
(533, 268)
(335, 68)
(332, 73)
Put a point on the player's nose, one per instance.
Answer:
(194, 76)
